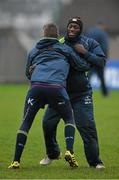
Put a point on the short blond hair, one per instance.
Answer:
(50, 30)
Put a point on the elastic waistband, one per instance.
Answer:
(45, 84)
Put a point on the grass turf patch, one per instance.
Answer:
(12, 99)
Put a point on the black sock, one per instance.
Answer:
(20, 143)
(69, 137)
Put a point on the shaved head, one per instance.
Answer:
(50, 30)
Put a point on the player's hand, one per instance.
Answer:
(80, 48)
(32, 68)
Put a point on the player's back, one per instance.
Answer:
(51, 65)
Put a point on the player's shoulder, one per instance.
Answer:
(85, 38)
(61, 43)
(60, 47)
(32, 53)
(62, 40)
(89, 41)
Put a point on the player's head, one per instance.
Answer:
(74, 27)
(102, 25)
(50, 30)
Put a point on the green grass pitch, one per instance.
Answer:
(107, 121)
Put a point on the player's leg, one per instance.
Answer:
(31, 108)
(63, 107)
(50, 122)
(104, 89)
(84, 118)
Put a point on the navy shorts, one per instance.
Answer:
(51, 94)
(41, 94)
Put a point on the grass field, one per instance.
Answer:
(107, 120)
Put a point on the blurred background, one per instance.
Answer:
(21, 24)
